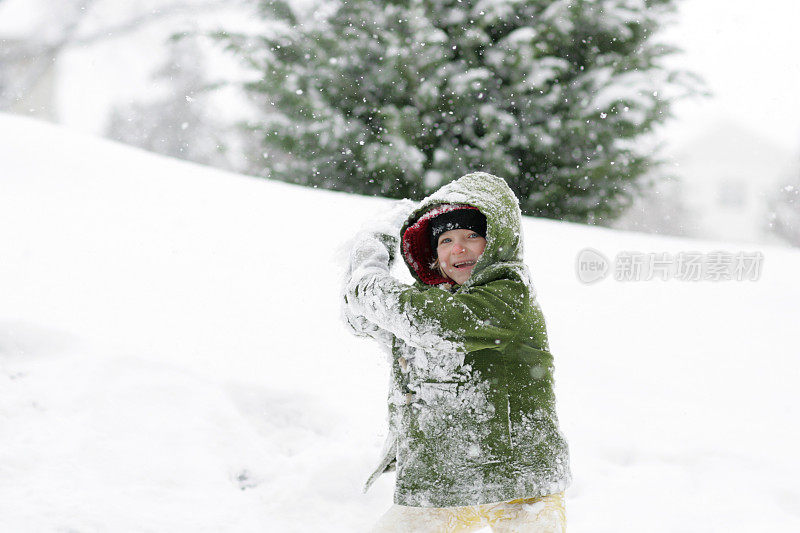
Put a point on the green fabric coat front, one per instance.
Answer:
(472, 411)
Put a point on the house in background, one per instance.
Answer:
(27, 64)
(720, 187)
(728, 175)
(27, 79)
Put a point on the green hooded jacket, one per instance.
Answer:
(472, 413)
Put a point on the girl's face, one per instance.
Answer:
(458, 251)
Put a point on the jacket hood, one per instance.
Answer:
(492, 197)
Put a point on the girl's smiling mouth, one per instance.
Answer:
(463, 264)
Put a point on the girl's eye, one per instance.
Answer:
(443, 241)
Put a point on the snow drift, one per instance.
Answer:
(171, 359)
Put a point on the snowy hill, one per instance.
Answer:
(171, 360)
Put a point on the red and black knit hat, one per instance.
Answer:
(418, 240)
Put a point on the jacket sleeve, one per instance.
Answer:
(361, 327)
(433, 319)
(382, 229)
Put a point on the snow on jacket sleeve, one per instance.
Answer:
(434, 319)
(382, 229)
(361, 327)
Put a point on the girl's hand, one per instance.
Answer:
(386, 228)
(390, 221)
(399, 213)
(369, 250)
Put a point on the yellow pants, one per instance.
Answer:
(531, 515)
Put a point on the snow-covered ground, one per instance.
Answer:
(171, 359)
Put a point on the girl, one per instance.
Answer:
(473, 430)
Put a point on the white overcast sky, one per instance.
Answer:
(749, 54)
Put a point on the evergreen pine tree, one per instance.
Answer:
(396, 98)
